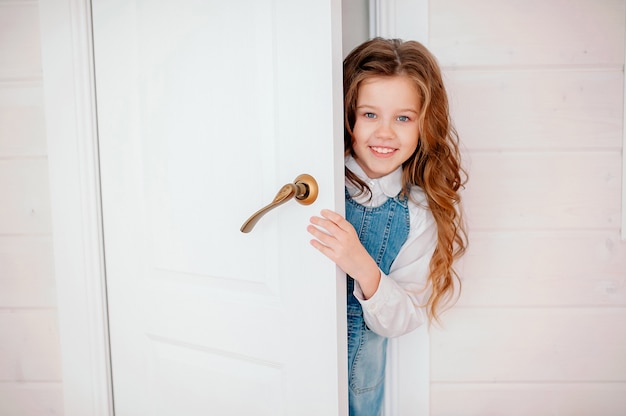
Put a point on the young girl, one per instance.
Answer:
(403, 228)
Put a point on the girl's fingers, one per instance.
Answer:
(331, 215)
(319, 234)
(332, 222)
(330, 226)
(321, 247)
(326, 232)
(335, 218)
(322, 242)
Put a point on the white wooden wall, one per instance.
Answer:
(30, 376)
(537, 95)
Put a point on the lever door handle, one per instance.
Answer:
(304, 189)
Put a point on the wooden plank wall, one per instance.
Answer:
(537, 95)
(30, 370)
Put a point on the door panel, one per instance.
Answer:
(205, 109)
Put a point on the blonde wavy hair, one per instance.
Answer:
(436, 164)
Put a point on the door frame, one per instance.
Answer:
(73, 163)
(71, 129)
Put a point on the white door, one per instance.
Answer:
(205, 109)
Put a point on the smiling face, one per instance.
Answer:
(386, 127)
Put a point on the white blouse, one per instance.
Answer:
(398, 306)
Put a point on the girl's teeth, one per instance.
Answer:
(382, 149)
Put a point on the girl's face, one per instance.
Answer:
(386, 127)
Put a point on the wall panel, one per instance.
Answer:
(540, 268)
(21, 119)
(31, 399)
(26, 272)
(30, 376)
(20, 47)
(542, 110)
(544, 190)
(527, 33)
(30, 345)
(26, 200)
(536, 399)
(537, 91)
(505, 344)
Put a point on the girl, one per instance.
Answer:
(403, 228)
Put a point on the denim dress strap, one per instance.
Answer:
(382, 231)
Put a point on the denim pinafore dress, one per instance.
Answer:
(382, 231)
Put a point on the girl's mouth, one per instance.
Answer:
(382, 150)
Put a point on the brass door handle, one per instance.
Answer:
(304, 189)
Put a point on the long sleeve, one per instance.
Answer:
(397, 307)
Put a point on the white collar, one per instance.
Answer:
(387, 186)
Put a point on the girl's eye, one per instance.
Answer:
(369, 115)
(403, 118)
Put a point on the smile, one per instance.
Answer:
(383, 150)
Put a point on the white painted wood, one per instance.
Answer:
(412, 20)
(22, 125)
(404, 19)
(24, 184)
(547, 190)
(533, 33)
(624, 148)
(382, 18)
(73, 166)
(545, 110)
(30, 375)
(73, 265)
(540, 268)
(519, 399)
(31, 399)
(354, 23)
(30, 345)
(199, 126)
(20, 51)
(501, 345)
(27, 272)
(413, 373)
(537, 95)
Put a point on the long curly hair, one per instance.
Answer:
(436, 164)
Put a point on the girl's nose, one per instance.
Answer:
(384, 130)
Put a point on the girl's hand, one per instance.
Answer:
(337, 239)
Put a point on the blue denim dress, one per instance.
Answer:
(382, 231)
